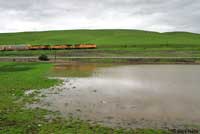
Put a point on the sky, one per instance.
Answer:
(151, 15)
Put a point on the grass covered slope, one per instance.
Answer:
(105, 38)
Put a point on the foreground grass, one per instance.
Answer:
(15, 79)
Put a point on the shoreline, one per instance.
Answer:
(129, 60)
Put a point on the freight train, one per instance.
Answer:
(45, 47)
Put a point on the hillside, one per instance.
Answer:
(105, 38)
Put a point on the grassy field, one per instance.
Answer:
(109, 43)
(106, 38)
(15, 79)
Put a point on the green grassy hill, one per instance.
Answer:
(106, 38)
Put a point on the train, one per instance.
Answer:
(24, 47)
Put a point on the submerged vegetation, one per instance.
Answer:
(15, 118)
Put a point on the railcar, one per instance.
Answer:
(38, 47)
(85, 46)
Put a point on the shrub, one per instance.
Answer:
(43, 57)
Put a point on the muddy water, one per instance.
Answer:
(135, 96)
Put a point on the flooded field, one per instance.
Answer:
(130, 96)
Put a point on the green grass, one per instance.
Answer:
(15, 79)
(109, 43)
(106, 38)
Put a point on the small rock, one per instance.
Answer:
(134, 106)
(66, 104)
(110, 117)
(78, 110)
(104, 102)
(29, 92)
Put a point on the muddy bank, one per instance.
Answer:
(130, 96)
(139, 60)
(118, 60)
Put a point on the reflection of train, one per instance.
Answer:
(45, 47)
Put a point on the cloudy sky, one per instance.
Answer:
(154, 15)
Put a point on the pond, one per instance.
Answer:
(130, 96)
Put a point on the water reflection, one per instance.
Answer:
(73, 70)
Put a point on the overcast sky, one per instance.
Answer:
(154, 15)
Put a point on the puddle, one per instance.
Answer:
(130, 96)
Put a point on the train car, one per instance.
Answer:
(38, 47)
(85, 46)
(20, 47)
(61, 47)
(9, 48)
(70, 46)
(13, 47)
(1, 48)
(57, 47)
